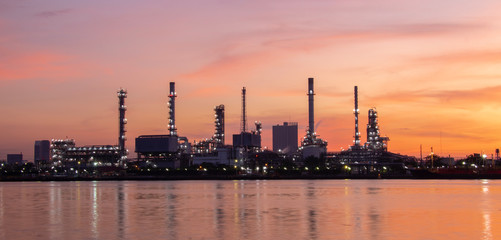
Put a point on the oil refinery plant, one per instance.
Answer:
(311, 145)
(65, 154)
(244, 155)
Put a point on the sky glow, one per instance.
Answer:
(432, 69)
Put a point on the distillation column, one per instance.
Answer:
(172, 110)
(219, 125)
(122, 94)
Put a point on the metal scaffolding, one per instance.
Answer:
(374, 140)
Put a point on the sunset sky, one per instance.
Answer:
(431, 68)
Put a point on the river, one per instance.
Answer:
(261, 209)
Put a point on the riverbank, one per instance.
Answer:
(241, 177)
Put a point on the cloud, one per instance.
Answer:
(34, 65)
(486, 95)
(47, 65)
(425, 29)
(479, 56)
(209, 91)
(227, 65)
(9, 6)
(275, 44)
(446, 134)
(53, 13)
(313, 39)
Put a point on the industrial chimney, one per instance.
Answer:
(244, 113)
(311, 120)
(311, 146)
(356, 111)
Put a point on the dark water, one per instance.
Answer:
(289, 209)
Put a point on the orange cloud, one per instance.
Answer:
(457, 98)
(36, 65)
(478, 56)
(251, 51)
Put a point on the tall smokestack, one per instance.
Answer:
(357, 133)
(311, 120)
(244, 113)
(122, 94)
(172, 110)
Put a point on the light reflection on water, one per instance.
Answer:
(487, 231)
(293, 209)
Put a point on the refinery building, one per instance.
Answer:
(171, 151)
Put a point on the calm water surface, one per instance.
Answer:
(288, 209)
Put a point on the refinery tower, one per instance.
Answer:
(311, 145)
(164, 150)
(122, 94)
(247, 140)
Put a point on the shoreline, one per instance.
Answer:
(245, 177)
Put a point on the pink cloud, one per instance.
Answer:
(238, 56)
(54, 13)
(35, 65)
